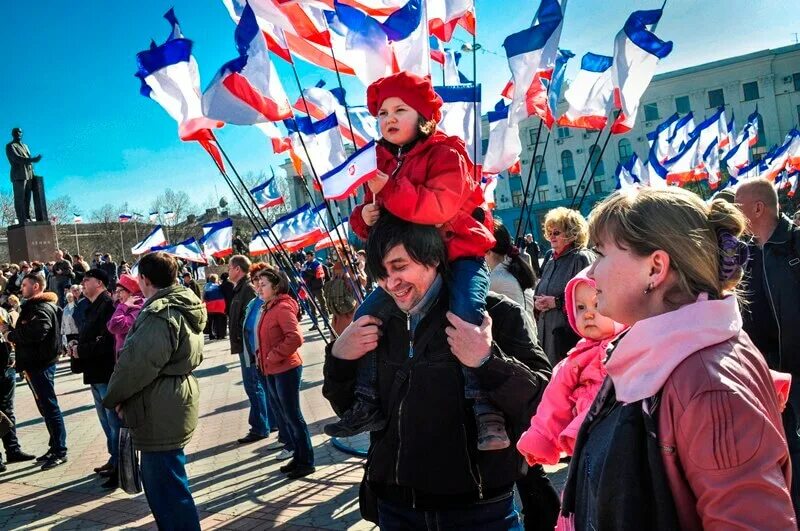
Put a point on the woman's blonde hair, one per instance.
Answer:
(679, 223)
(570, 222)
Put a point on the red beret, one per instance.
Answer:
(415, 90)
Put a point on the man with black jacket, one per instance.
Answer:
(94, 356)
(14, 453)
(37, 339)
(771, 316)
(425, 464)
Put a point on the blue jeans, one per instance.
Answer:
(487, 516)
(284, 392)
(261, 417)
(44, 393)
(109, 421)
(167, 489)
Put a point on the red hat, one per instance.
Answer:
(415, 90)
(129, 283)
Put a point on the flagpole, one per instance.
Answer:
(121, 242)
(136, 228)
(77, 245)
(475, 176)
(536, 182)
(530, 174)
(55, 232)
(594, 169)
(586, 167)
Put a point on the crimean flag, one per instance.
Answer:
(344, 180)
(504, 145)
(217, 240)
(337, 237)
(154, 239)
(188, 250)
(590, 94)
(460, 108)
(444, 15)
(267, 194)
(659, 139)
(125, 218)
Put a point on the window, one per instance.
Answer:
(682, 105)
(564, 132)
(542, 168)
(750, 91)
(542, 196)
(485, 145)
(516, 198)
(570, 191)
(798, 113)
(515, 183)
(796, 78)
(716, 98)
(762, 137)
(594, 157)
(598, 187)
(532, 135)
(567, 165)
(625, 151)
(651, 112)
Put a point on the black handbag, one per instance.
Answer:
(129, 476)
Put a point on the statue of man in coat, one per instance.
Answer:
(21, 174)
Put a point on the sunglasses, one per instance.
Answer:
(554, 233)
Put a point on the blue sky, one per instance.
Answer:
(69, 81)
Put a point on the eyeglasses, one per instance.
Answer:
(552, 233)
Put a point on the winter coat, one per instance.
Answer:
(428, 451)
(279, 336)
(96, 355)
(555, 334)
(213, 298)
(122, 320)
(433, 184)
(68, 325)
(252, 318)
(313, 275)
(153, 379)
(36, 335)
(571, 391)
(243, 293)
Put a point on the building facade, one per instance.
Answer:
(768, 80)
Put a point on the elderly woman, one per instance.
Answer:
(568, 233)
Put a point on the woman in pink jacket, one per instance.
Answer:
(129, 304)
(686, 431)
(576, 379)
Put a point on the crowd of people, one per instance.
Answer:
(652, 347)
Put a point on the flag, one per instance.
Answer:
(169, 215)
(361, 42)
(590, 94)
(217, 240)
(452, 76)
(461, 107)
(726, 143)
(169, 75)
(710, 129)
(137, 216)
(738, 157)
(655, 171)
(793, 178)
(345, 179)
(625, 180)
(685, 166)
(323, 143)
(778, 160)
(488, 186)
(247, 90)
(437, 52)
(154, 239)
(750, 129)
(710, 160)
(532, 56)
(267, 194)
(188, 250)
(408, 36)
(295, 230)
(444, 15)
(153, 217)
(638, 170)
(504, 145)
(793, 152)
(125, 218)
(304, 21)
(320, 102)
(338, 237)
(680, 134)
(280, 141)
(637, 50)
(76, 218)
(659, 139)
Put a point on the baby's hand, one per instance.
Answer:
(370, 213)
(377, 183)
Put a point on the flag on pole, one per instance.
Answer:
(320, 102)
(793, 152)
(154, 239)
(460, 108)
(322, 141)
(217, 240)
(247, 90)
(777, 161)
(153, 217)
(338, 237)
(590, 94)
(125, 218)
(408, 36)
(532, 56)
(686, 166)
(681, 134)
(345, 179)
(738, 156)
(169, 215)
(437, 52)
(444, 15)
(137, 216)
(750, 129)
(637, 51)
(76, 218)
(361, 42)
(297, 229)
(188, 250)
(504, 145)
(711, 164)
(625, 180)
(452, 76)
(660, 138)
(267, 194)
(710, 129)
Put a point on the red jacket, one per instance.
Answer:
(279, 336)
(433, 184)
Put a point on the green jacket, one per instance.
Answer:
(153, 378)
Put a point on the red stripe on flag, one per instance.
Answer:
(240, 86)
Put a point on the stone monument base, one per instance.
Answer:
(34, 240)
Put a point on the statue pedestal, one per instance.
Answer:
(34, 240)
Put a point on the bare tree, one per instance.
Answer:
(61, 208)
(7, 212)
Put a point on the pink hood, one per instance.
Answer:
(569, 301)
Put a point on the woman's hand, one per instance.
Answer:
(544, 302)
(370, 214)
(377, 183)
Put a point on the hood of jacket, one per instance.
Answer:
(284, 300)
(45, 296)
(569, 301)
(177, 298)
(646, 356)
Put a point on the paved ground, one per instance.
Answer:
(235, 487)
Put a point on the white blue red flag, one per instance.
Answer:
(637, 51)
(444, 15)
(437, 52)
(408, 36)
(344, 180)
(76, 218)
(777, 161)
(153, 217)
(711, 164)
(460, 108)
(188, 250)
(125, 218)
(319, 102)
(338, 237)
(625, 180)
(452, 75)
(793, 157)
(267, 194)
(712, 128)
(504, 148)
(532, 57)
(656, 172)
(738, 156)
(247, 90)
(681, 134)
(154, 239)
(590, 94)
(217, 240)
(321, 145)
(750, 130)
(686, 166)
(295, 230)
(659, 138)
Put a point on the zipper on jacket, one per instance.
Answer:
(410, 336)
(399, 161)
(772, 303)
(402, 401)
(479, 480)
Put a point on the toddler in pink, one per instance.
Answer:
(576, 379)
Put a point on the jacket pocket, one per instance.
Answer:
(133, 412)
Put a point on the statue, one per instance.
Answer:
(22, 177)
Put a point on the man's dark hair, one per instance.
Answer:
(422, 243)
(159, 268)
(37, 278)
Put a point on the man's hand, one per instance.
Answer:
(118, 409)
(469, 343)
(377, 183)
(360, 337)
(37, 158)
(370, 213)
